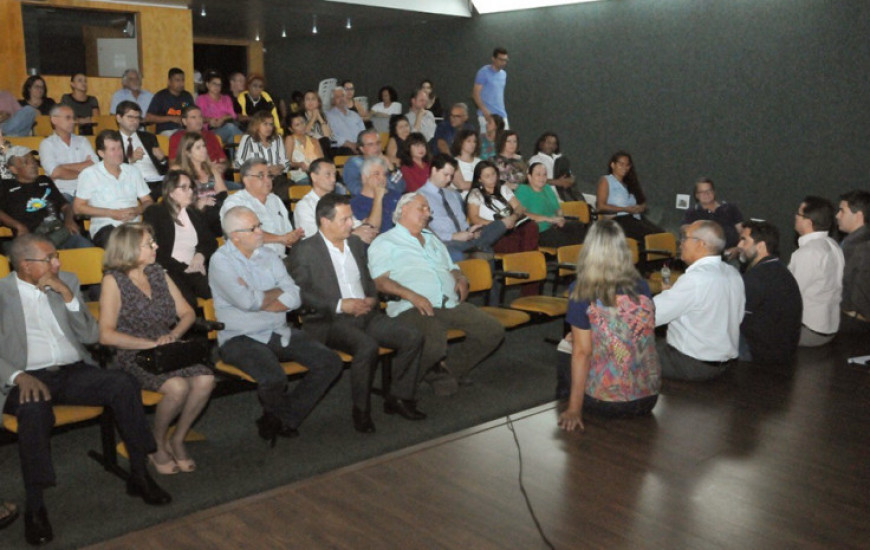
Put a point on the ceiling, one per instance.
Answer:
(244, 19)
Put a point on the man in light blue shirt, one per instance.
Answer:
(488, 91)
(346, 125)
(410, 262)
(131, 90)
(252, 295)
(449, 221)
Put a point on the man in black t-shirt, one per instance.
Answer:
(33, 204)
(165, 108)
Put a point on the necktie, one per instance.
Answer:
(449, 210)
(130, 149)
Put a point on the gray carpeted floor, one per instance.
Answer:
(90, 505)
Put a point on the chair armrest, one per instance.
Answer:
(511, 274)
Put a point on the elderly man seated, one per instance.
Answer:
(410, 262)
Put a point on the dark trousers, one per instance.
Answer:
(78, 384)
(489, 234)
(361, 337)
(263, 363)
(483, 334)
(191, 285)
(679, 366)
(568, 234)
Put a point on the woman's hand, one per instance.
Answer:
(571, 420)
(197, 264)
(165, 339)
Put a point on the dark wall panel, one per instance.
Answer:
(769, 98)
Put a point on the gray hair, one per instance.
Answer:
(712, 234)
(370, 163)
(24, 246)
(127, 73)
(406, 198)
(230, 221)
(249, 164)
(57, 109)
(462, 106)
(359, 137)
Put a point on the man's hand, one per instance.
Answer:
(463, 236)
(52, 281)
(461, 287)
(423, 305)
(124, 214)
(71, 225)
(355, 306)
(31, 388)
(366, 233)
(158, 153)
(293, 237)
(138, 155)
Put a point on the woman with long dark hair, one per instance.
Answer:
(620, 195)
(415, 162)
(35, 93)
(490, 200)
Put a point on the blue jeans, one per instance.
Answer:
(489, 234)
(75, 241)
(227, 132)
(21, 123)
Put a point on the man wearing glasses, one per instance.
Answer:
(703, 309)
(447, 129)
(252, 294)
(141, 148)
(278, 232)
(44, 326)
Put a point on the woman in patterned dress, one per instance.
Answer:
(615, 370)
(141, 308)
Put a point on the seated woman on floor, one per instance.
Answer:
(140, 309)
(301, 149)
(619, 193)
(542, 205)
(490, 200)
(184, 241)
(615, 370)
(511, 166)
(415, 162)
(466, 151)
(400, 129)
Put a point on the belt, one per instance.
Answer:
(856, 315)
(711, 363)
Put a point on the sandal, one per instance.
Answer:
(185, 465)
(8, 514)
(167, 468)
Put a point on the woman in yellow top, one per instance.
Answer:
(301, 149)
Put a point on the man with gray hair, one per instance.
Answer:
(449, 127)
(252, 294)
(369, 143)
(63, 155)
(131, 90)
(278, 232)
(703, 309)
(375, 203)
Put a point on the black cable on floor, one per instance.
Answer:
(510, 426)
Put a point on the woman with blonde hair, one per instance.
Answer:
(141, 309)
(615, 369)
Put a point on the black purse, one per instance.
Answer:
(174, 356)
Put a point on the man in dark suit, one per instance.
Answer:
(140, 147)
(43, 362)
(332, 271)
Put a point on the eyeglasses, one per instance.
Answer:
(262, 176)
(48, 259)
(249, 229)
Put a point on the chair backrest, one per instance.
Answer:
(86, 263)
(105, 122)
(577, 208)
(633, 248)
(31, 142)
(324, 90)
(568, 255)
(298, 191)
(478, 273)
(43, 126)
(5, 232)
(4, 266)
(385, 139)
(532, 263)
(340, 160)
(660, 241)
(163, 143)
(208, 313)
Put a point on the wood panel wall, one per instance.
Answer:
(165, 41)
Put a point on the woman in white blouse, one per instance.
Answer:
(466, 151)
(387, 107)
(489, 200)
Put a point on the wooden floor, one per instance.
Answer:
(758, 459)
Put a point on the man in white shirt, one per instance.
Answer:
(421, 119)
(111, 192)
(817, 265)
(322, 176)
(703, 309)
(141, 148)
(331, 270)
(64, 155)
(278, 232)
(43, 326)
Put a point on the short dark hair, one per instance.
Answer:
(543, 138)
(820, 211)
(764, 232)
(108, 135)
(314, 165)
(499, 51)
(858, 201)
(174, 71)
(394, 96)
(74, 75)
(126, 106)
(346, 81)
(502, 138)
(441, 160)
(188, 108)
(359, 137)
(326, 206)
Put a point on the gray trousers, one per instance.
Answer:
(679, 366)
(483, 334)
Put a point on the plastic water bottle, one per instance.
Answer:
(666, 275)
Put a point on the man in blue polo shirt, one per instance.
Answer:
(489, 87)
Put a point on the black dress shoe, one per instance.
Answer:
(442, 380)
(404, 408)
(269, 427)
(147, 488)
(362, 421)
(37, 529)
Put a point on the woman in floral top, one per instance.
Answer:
(615, 370)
